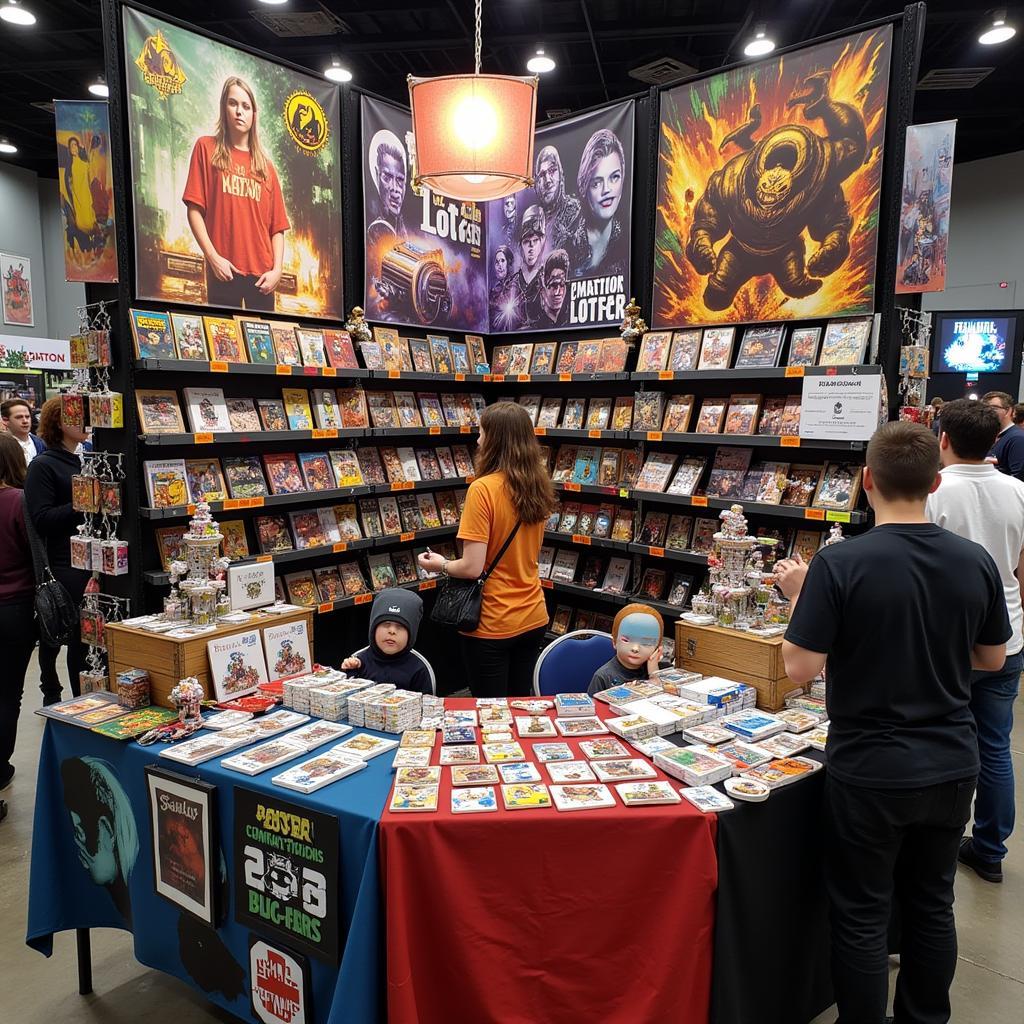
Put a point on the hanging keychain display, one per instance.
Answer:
(914, 357)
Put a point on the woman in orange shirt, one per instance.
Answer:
(511, 487)
(235, 207)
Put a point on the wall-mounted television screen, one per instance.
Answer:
(974, 343)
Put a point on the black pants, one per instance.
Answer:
(501, 668)
(74, 581)
(17, 641)
(239, 292)
(889, 846)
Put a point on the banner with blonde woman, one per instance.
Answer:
(236, 175)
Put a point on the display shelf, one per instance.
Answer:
(568, 487)
(582, 540)
(438, 378)
(580, 435)
(690, 557)
(668, 611)
(347, 602)
(414, 536)
(552, 378)
(855, 518)
(425, 485)
(247, 437)
(423, 431)
(754, 373)
(271, 369)
(748, 440)
(578, 590)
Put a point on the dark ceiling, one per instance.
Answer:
(596, 44)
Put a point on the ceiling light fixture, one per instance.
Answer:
(100, 88)
(540, 63)
(760, 44)
(7, 147)
(273, 3)
(473, 134)
(14, 14)
(336, 73)
(998, 31)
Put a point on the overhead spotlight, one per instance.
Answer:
(100, 88)
(998, 31)
(13, 13)
(7, 147)
(760, 44)
(540, 63)
(273, 3)
(336, 73)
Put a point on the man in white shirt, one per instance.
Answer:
(17, 420)
(978, 502)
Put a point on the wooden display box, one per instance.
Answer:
(754, 660)
(169, 660)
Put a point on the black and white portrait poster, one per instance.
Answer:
(558, 253)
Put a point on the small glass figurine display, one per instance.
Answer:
(187, 697)
(196, 596)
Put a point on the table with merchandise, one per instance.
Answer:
(260, 867)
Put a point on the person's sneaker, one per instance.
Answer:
(6, 778)
(990, 871)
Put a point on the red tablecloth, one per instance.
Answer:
(548, 917)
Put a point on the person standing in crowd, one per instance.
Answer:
(1018, 414)
(983, 505)
(511, 492)
(17, 591)
(16, 415)
(1008, 451)
(937, 404)
(48, 494)
(902, 614)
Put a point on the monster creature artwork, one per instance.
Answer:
(768, 187)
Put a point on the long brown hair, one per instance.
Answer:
(51, 429)
(258, 162)
(510, 447)
(12, 462)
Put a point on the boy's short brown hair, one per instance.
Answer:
(904, 460)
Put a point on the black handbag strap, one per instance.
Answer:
(482, 578)
(40, 562)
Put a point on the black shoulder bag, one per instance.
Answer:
(56, 614)
(459, 601)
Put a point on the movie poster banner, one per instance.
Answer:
(286, 872)
(425, 257)
(768, 187)
(924, 211)
(236, 175)
(558, 253)
(86, 190)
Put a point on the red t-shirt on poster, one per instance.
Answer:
(241, 211)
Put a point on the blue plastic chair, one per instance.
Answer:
(568, 664)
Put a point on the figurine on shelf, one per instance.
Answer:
(187, 697)
(357, 326)
(633, 324)
(835, 536)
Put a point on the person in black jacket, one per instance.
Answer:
(48, 495)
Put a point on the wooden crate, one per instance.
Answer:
(756, 661)
(168, 660)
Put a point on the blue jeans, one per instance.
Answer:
(992, 697)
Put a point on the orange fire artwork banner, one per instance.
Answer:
(768, 187)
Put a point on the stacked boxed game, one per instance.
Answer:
(724, 695)
(694, 767)
(665, 722)
(357, 701)
(818, 689)
(296, 691)
(632, 727)
(672, 679)
(752, 724)
(330, 701)
(573, 705)
(783, 771)
(395, 712)
(812, 705)
(686, 712)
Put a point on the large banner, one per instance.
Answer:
(768, 187)
(236, 175)
(558, 253)
(425, 256)
(86, 190)
(924, 211)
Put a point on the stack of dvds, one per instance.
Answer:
(402, 710)
(331, 701)
(692, 766)
(632, 727)
(573, 705)
(818, 689)
(357, 701)
(801, 702)
(433, 712)
(296, 692)
(665, 721)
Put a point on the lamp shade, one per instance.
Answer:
(474, 134)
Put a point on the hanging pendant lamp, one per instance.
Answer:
(473, 133)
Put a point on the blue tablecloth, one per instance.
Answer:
(63, 894)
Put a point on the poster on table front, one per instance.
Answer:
(425, 257)
(286, 872)
(558, 253)
(86, 186)
(236, 173)
(769, 178)
(924, 208)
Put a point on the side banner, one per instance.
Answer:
(425, 256)
(236, 173)
(558, 253)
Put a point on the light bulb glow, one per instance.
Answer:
(7, 147)
(100, 88)
(759, 45)
(1000, 32)
(475, 122)
(273, 3)
(15, 15)
(336, 73)
(540, 63)
(474, 179)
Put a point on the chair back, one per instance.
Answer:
(430, 670)
(568, 664)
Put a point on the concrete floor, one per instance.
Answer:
(988, 989)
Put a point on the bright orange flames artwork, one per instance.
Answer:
(768, 187)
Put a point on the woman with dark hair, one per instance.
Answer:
(17, 588)
(599, 244)
(512, 492)
(48, 496)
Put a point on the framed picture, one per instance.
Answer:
(759, 347)
(839, 486)
(716, 348)
(183, 817)
(803, 346)
(16, 283)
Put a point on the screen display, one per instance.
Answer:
(975, 344)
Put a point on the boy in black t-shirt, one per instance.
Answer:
(903, 614)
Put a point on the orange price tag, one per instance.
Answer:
(428, 585)
(789, 441)
(283, 370)
(392, 374)
(203, 438)
(311, 371)
(464, 429)
(581, 538)
(666, 375)
(794, 371)
(363, 598)
(402, 485)
(406, 537)
(264, 558)
(323, 432)
(593, 433)
(565, 376)
(329, 371)
(498, 378)
(523, 378)
(488, 378)
(570, 486)
(653, 435)
(460, 376)
(547, 584)
(256, 502)
(339, 546)
(435, 430)
(540, 431)
(814, 513)
(327, 606)
(656, 552)
(700, 500)
(232, 503)
(218, 366)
